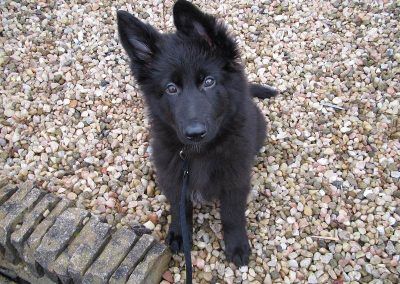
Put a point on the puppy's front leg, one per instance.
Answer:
(174, 237)
(233, 206)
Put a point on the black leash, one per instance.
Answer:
(182, 215)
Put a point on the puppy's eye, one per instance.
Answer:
(208, 82)
(171, 89)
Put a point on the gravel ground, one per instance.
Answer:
(325, 198)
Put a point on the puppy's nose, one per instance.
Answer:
(195, 131)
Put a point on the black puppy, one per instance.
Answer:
(199, 101)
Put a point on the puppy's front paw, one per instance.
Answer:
(238, 253)
(174, 241)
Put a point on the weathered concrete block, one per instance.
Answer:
(136, 255)
(30, 221)
(13, 211)
(81, 251)
(20, 270)
(115, 251)
(150, 270)
(15, 197)
(22, 190)
(36, 237)
(50, 236)
(4, 280)
(59, 235)
(6, 191)
(6, 270)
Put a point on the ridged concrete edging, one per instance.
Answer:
(45, 239)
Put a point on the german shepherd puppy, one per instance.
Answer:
(200, 102)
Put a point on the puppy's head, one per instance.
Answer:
(192, 80)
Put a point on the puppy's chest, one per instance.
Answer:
(204, 182)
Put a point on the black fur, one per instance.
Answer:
(234, 129)
(262, 92)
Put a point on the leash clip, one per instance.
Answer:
(182, 154)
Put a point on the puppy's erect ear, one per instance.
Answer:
(189, 20)
(138, 39)
(192, 22)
